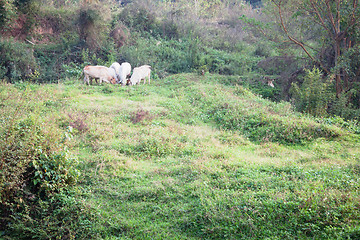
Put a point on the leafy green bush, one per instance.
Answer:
(17, 60)
(229, 63)
(35, 165)
(7, 13)
(37, 171)
(138, 18)
(343, 105)
(60, 217)
(314, 94)
(29, 8)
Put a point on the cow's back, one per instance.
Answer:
(96, 71)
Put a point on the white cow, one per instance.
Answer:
(140, 73)
(112, 72)
(98, 72)
(125, 71)
(122, 71)
(116, 66)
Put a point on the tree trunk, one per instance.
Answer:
(337, 74)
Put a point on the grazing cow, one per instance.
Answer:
(122, 71)
(140, 73)
(112, 72)
(125, 71)
(98, 72)
(116, 66)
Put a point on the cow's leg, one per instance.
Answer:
(86, 79)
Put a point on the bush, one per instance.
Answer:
(343, 105)
(17, 60)
(313, 95)
(226, 63)
(36, 169)
(7, 14)
(91, 26)
(138, 18)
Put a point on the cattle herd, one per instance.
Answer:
(121, 74)
(117, 74)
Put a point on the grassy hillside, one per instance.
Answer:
(187, 157)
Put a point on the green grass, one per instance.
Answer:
(192, 157)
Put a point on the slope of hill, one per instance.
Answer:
(190, 157)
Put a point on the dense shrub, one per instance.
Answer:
(89, 24)
(36, 173)
(313, 95)
(138, 18)
(61, 217)
(7, 13)
(17, 60)
(27, 10)
(346, 105)
(228, 63)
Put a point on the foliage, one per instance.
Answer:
(37, 170)
(273, 123)
(329, 28)
(138, 19)
(28, 8)
(343, 107)
(89, 20)
(7, 14)
(314, 94)
(17, 60)
(349, 63)
(60, 217)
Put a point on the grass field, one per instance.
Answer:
(194, 157)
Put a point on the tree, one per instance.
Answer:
(338, 21)
(7, 13)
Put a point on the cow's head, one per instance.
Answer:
(113, 80)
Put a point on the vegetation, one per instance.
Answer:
(186, 157)
(208, 150)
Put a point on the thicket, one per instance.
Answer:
(37, 172)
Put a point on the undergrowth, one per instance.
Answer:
(37, 172)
